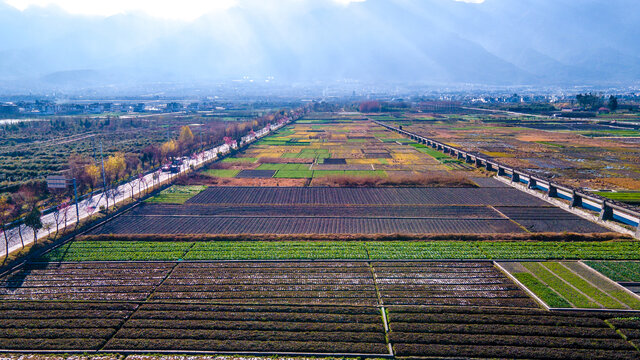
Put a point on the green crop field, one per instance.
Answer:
(177, 194)
(543, 291)
(630, 197)
(428, 250)
(223, 173)
(621, 271)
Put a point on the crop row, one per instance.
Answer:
(257, 250)
(59, 325)
(441, 211)
(93, 326)
(364, 196)
(130, 224)
(504, 333)
(281, 283)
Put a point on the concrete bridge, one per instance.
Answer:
(607, 209)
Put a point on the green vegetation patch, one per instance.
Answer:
(630, 197)
(620, 271)
(222, 173)
(549, 143)
(583, 285)
(293, 174)
(431, 152)
(177, 194)
(118, 251)
(266, 250)
(395, 250)
(543, 291)
(559, 286)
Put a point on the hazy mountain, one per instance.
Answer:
(432, 41)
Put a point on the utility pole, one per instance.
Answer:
(104, 179)
(75, 194)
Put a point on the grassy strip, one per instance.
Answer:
(583, 285)
(559, 286)
(222, 173)
(177, 194)
(543, 291)
(232, 249)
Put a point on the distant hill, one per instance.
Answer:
(497, 42)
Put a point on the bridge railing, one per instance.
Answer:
(608, 209)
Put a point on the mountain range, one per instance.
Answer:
(495, 42)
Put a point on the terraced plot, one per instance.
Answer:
(466, 332)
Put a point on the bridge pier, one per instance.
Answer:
(478, 162)
(576, 200)
(606, 213)
(489, 167)
(515, 177)
(459, 156)
(532, 183)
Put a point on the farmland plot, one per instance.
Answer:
(50, 325)
(626, 273)
(365, 196)
(549, 219)
(220, 328)
(572, 284)
(428, 211)
(468, 332)
(447, 283)
(84, 281)
(291, 283)
(87, 250)
(300, 225)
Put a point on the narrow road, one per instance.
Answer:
(90, 206)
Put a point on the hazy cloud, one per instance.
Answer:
(185, 10)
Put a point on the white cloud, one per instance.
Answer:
(185, 10)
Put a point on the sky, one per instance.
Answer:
(68, 44)
(183, 10)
